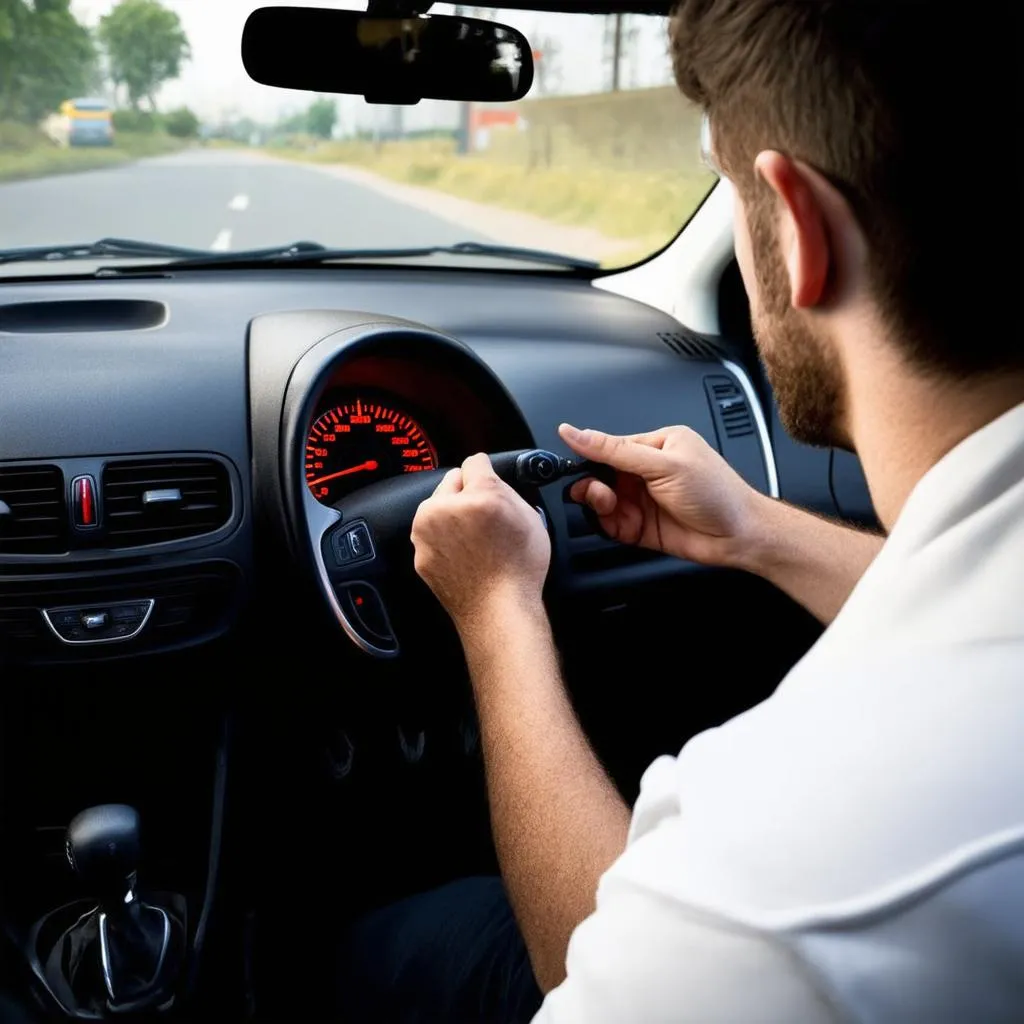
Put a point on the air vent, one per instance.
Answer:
(690, 345)
(150, 501)
(33, 517)
(730, 404)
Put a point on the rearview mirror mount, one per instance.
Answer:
(394, 60)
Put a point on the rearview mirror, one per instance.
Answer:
(386, 60)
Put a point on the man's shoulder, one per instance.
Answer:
(838, 786)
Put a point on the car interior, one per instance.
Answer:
(224, 683)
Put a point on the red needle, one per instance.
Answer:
(370, 464)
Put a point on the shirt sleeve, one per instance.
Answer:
(638, 958)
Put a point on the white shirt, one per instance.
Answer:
(852, 848)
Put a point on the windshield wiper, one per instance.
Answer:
(311, 254)
(103, 248)
(306, 254)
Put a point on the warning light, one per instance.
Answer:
(359, 600)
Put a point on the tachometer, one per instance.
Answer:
(354, 444)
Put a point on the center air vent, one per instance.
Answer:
(33, 520)
(150, 501)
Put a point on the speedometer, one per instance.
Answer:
(353, 444)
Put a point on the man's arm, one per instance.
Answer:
(558, 820)
(816, 561)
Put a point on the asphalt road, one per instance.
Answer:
(214, 199)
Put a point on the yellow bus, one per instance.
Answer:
(82, 122)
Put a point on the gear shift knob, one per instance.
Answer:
(102, 846)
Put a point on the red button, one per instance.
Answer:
(84, 511)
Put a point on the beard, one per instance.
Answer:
(802, 369)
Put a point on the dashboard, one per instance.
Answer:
(160, 432)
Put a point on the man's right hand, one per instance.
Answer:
(674, 493)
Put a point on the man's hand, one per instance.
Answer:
(476, 540)
(674, 493)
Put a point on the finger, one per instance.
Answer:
(595, 494)
(613, 450)
(451, 482)
(477, 469)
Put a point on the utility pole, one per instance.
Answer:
(617, 53)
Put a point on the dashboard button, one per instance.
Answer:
(65, 620)
(340, 547)
(368, 610)
(359, 542)
(91, 625)
(128, 612)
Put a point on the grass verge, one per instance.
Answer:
(643, 207)
(28, 153)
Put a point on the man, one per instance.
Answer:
(853, 847)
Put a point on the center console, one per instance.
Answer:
(112, 796)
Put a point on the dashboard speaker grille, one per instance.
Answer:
(150, 501)
(33, 513)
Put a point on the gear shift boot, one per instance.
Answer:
(133, 951)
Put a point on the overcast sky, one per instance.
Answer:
(215, 84)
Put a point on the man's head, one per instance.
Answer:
(859, 198)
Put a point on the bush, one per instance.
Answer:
(21, 138)
(26, 153)
(140, 122)
(181, 123)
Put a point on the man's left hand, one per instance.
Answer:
(477, 540)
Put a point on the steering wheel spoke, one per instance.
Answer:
(358, 575)
(364, 556)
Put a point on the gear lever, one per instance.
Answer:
(102, 846)
(134, 937)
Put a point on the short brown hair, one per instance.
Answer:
(894, 101)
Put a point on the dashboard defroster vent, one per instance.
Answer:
(33, 518)
(690, 345)
(150, 501)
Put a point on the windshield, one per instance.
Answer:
(601, 160)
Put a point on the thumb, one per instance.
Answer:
(620, 453)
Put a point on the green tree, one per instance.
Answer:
(181, 123)
(145, 46)
(321, 117)
(46, 57)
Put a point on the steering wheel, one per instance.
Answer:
(364, 552)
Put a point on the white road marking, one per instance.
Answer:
(222, 242)
(240, 202)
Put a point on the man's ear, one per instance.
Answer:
(803, 226)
